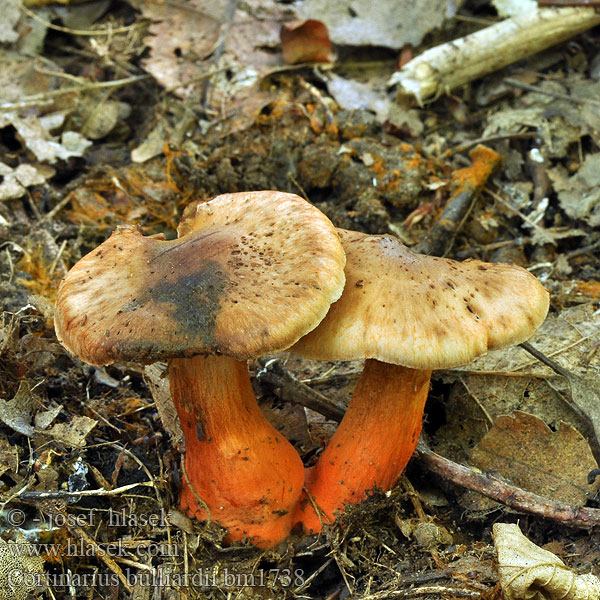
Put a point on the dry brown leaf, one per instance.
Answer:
(390, 23)
(579, 195)
(73, 433)
(20, 570)
(9, 457)
(200, 43)
(523, 449)
(156, 380)
(17, 412)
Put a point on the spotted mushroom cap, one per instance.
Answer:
(422, 311)
(251, 274)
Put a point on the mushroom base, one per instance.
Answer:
(372, 444)
(245, 475)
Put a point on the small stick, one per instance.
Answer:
(292, 389)
(103, 556)
(73, 89)
(63, 495)
(91, 32)
(584, 398)
(572, 516)
(537, 90)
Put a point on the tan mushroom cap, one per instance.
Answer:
(422, 311)
(254, 272)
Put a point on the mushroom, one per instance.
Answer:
(250, 274)
(406, 314)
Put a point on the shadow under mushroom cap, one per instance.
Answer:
(255, 272)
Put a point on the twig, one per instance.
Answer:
(103, 556)
(582, 250)
(96, 85)
(584, 398)
(437, 591)
(489, 140)
(506, 493)
(329, 379)
(193, 490)
(64, 495)
(466, 184)
(292, 389)
(532, 88)
(52, 213)
(310, 579)
(91, 32)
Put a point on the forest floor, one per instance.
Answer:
(84, 457)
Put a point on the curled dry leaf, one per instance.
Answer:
(306, 41)
(529, 572)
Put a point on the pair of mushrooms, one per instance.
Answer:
(259, 272)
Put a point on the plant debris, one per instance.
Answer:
(122, 112)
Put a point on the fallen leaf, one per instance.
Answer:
(524, 450)
(354, 95)
(200, 51)
(16, 181)
(154, 376)
(44, 419)
(579, 195)
(20, 570)
(8, 21)
(17, 412)
(152, 146)
(73, 433)
(307, 41)
(528, 572)
(38, 139)
(101, 117)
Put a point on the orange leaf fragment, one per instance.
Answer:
(306, 41)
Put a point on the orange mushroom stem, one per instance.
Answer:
(372, 444)
(421, 312)
(241, 469)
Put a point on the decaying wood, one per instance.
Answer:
(446, 67)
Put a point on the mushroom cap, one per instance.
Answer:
(423, 312)
(251, 274)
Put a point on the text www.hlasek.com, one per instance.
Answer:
(224, 578)
(119, 549)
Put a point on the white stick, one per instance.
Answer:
(450, 65)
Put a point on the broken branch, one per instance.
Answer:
(448, 66)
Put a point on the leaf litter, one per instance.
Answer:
(225, 113)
